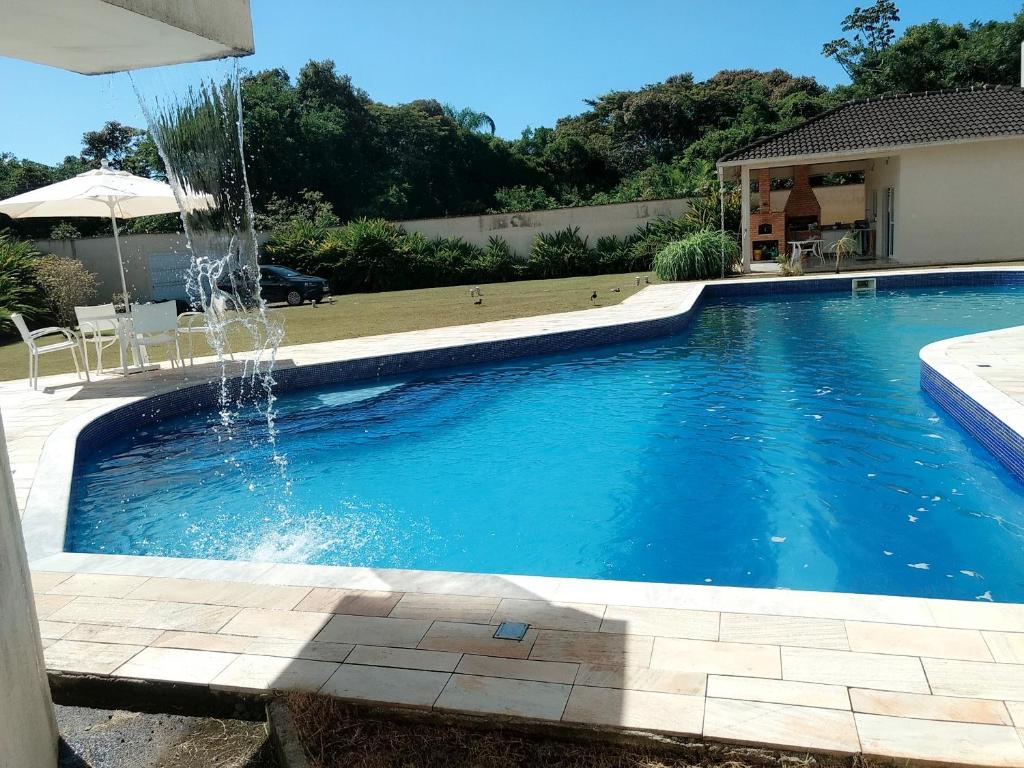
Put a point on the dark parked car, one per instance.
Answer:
(285, 284)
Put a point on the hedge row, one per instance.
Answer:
(377, 255)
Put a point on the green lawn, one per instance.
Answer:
(368, 314)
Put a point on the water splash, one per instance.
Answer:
(200, 138)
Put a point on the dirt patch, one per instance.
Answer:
(336, 735)
(97, 738)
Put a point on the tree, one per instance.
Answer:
(873, 33)
(122, 146)
(469, 119)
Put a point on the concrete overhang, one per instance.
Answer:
(94, 37)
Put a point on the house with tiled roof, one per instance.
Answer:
(919, 178)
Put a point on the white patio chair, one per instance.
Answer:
(197, 322)
(154, 325)
(35, 350)
(95, 326)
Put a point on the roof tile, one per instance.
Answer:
(913, 118)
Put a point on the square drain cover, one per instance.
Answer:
(511, 630)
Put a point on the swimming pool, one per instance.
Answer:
(779, 441)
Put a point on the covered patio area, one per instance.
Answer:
(800, 211)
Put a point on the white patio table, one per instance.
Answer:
(126, 340)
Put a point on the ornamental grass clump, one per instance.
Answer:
(697, 256)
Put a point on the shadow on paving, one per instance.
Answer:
(101, 738)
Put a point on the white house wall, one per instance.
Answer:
(960, 203)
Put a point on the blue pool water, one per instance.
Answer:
(778, 442)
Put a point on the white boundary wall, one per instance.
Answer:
(519, 229)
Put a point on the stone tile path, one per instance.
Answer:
(929, 693)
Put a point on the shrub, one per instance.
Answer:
(366, 255)
(498, 262)
(652, 238)
(522, 198)
(698, 256)
(295, 244)
(561, 254)
(66, 284)
(19, 291)
(448, 261)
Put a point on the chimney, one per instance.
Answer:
(802, 202)
(1022, 63)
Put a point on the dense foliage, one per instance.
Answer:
(19, 291)
(378, 255)
(319, 134)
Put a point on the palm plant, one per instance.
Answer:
(844, 247)
(469, 119)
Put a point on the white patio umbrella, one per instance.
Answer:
(102, 192)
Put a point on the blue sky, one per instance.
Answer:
(525, 63)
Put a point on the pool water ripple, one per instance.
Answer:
(778, 442)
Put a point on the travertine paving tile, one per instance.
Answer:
(778, 692)
(374, 630)
(923, 740)
(44, 581)
(701, 656)
(203, 641)
(411, 687)
(98, 633)
(977, 679)
(464, 608)
(961, 614)
(98, 585)
(475, 639)
(145, 613)
(502, 696)
(274, 673)
(518, 669)
(284, 625)
(781, 725)
(405, 658)
(661, 622)
(89, 658)
(353, 602)
(626, 708)
(642, 679)
(784, 630)
(54, 630)
(860, 670)
(176, 664)
(1006, 647)
(578, 617)
(1016, 712)
(47, 605)
(927, 707)
(313, 650)
(906, 640)
(236, 593)
(600, 648)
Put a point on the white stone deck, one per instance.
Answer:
(907, 678)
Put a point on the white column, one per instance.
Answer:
(28, 731)
(745, 215)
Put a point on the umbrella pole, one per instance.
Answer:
(120, 262)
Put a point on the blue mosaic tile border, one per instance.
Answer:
(206, 395)
(1001, 441)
